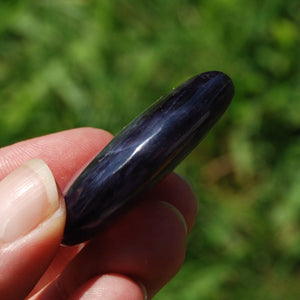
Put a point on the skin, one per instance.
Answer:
(142, 251)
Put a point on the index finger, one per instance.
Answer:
(64, 152)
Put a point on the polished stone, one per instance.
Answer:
(143, 153)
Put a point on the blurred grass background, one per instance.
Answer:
(65, 64)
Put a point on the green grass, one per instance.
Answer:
(66, 64)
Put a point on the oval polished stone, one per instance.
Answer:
(143, 153)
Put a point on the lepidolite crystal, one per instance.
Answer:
(143, 153)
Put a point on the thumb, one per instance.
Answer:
(32, 219)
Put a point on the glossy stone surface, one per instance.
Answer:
(144, 152)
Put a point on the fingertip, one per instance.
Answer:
(110, 287)
(65, 152)
(176, 191)
(29, 196)
(178, 214)
(32, 224)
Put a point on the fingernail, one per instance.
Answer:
(178, 214)
(28, 196)
(143, 288)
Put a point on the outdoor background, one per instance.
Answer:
(66, 64)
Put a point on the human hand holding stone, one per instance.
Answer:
(137, 255)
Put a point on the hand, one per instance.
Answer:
(137, 255)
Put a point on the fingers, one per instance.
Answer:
(32, 218)
(176, 191)
(110, 287)
(147, 244)
(64, 152)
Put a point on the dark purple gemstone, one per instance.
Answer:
(143, 153)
